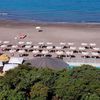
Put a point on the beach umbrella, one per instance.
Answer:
(69, 52)
(14, 46)
(92, 44)
(38, 27)
(48, 62)
(36, 47)
(15, 38)
(81, 48)
(21, 42)
(3, 46)
(27, 46)
(58, 47)
(72, 48)
(29, 43)
(41, 43)
(62, 43)
(12, 51)
(45, 52)
(4, 58)
(59, 52)
(21, 51)
(95, 53)
(6, 42)
(35, 51)
(96, 49)
(49, 47)
(0, 42)
(70, 44)
(84, 44)
(49, 43)
(85, 53)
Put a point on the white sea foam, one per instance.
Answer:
(3, 14)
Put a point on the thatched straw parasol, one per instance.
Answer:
(4, 58)
(53, 63)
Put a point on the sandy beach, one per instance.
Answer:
(51, 32)
(55, 33)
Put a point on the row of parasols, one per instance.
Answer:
(46, 48)
(50, 43)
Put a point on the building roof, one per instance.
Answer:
(53, 63)
(16, 60)
(1, 63)
(7, 67)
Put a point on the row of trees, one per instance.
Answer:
(30, 83)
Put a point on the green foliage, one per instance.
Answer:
(79, 81)
(39, 90)
(30, 83)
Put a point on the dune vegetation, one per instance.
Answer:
(30, 83)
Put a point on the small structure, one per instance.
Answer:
(16, 60)
(1, 63)
(7, 67)
(1, 66)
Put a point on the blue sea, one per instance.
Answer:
(71, 11)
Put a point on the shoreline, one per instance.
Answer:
(12, 23)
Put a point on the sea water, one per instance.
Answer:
(72, 11)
